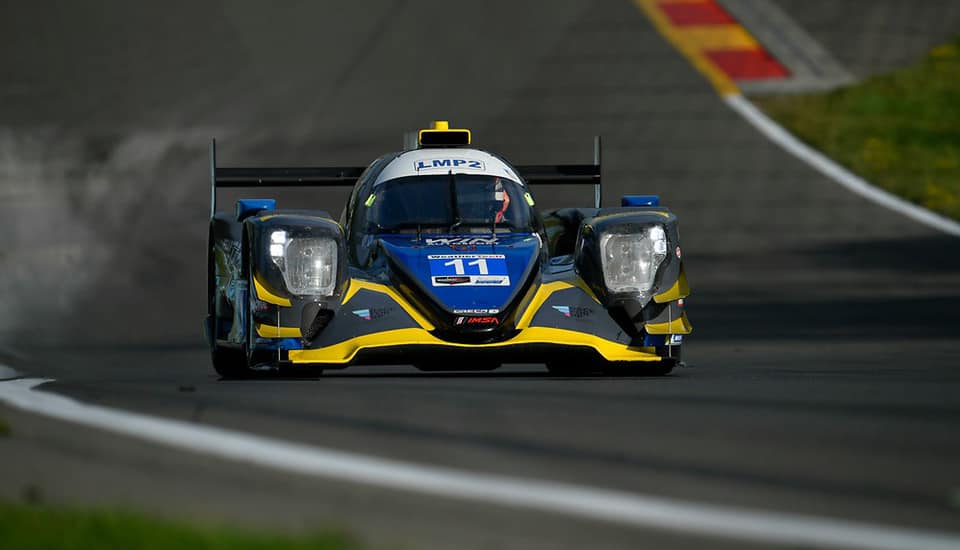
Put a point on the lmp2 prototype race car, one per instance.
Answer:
(440, 260)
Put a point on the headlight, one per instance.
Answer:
(630, 261)
(308, 265)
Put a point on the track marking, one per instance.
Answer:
(689, 49)
(777, 134)
(686, 518)
(687, 44)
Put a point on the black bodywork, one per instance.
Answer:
(254, 323)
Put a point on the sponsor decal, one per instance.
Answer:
(461, 241)
(678, 252)
(468, 269)
(580, 312)
(362, 313)
(470, 280)
(448, 164)
(680, 302)
(491, 280)
(451, 280)
(483, 321)
(575, 312)
(372, 314)
(477, 311)
(676, 339)
(464, 257)
(478, 321)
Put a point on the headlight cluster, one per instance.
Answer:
(630, 261)
(308, 264)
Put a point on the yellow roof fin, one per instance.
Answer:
(440, 134)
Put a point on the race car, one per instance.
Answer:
(440, 260)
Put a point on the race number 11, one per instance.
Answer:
(457, 264)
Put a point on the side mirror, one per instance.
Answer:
(640, 200)
(252, 207)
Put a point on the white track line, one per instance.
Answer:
(599, 504)
(834, 171)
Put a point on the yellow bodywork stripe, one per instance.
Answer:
(353, 286)
(680, 289)
(720, 81)
(541, 295)
(344, 352)
(356, 285)
(677, 326)
(582, 285)
(267, 296)
(539, 298)
(270, 331)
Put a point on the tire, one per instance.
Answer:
(228, 362)
(231, 364)
(674, 352)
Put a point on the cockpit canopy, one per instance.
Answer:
(449, 203)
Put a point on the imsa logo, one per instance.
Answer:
(478, 321)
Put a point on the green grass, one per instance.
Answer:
(33, 527)
(900, 131)
(4, 428)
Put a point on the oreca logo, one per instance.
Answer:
(432, 164)
(460, 241)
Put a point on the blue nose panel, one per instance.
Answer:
(466, 273)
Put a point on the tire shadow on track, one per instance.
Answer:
(928, 318)
(859, 291)
(356, 372)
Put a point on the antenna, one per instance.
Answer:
(596, 162)
(213, 177)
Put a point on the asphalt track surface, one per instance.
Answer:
(822, 374)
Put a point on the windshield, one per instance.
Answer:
(449, 203)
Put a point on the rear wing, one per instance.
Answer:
(567, 174)
(347, 176)
(220, 178)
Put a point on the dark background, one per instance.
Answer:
(822, 374)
